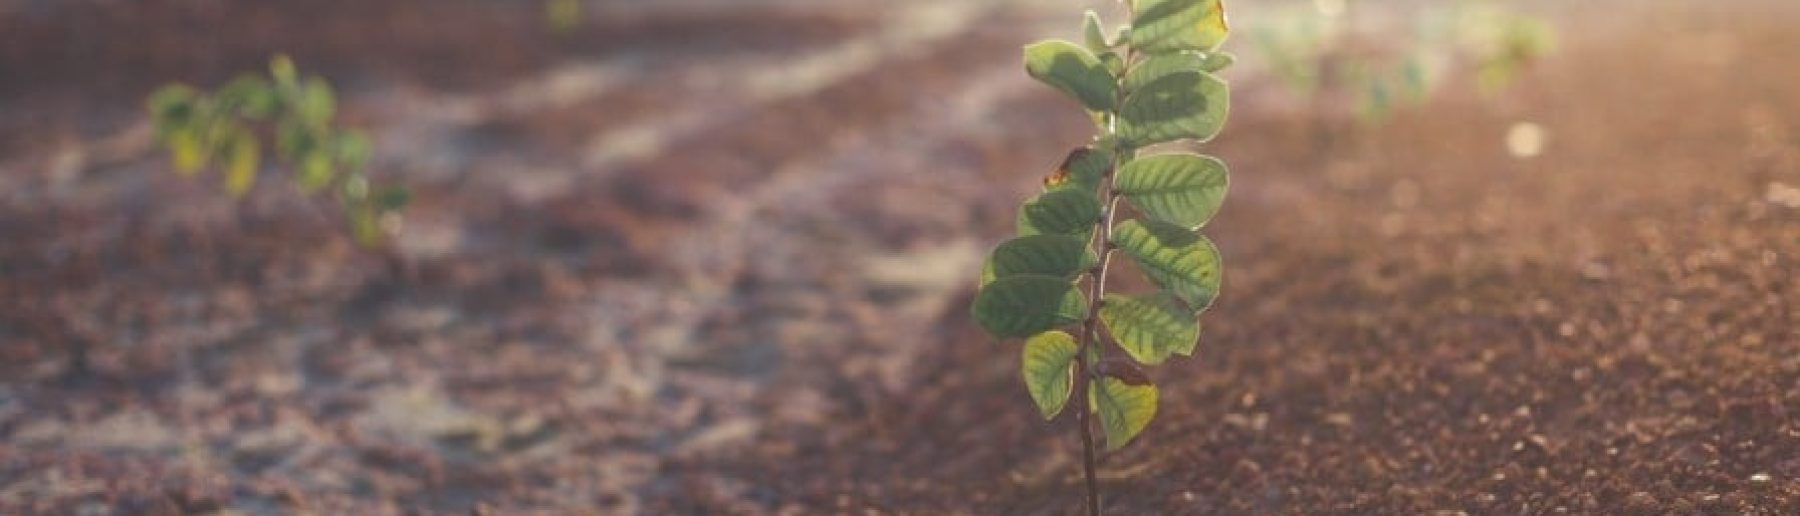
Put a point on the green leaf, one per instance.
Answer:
(355, 188)
(1190, 105)
(250, 96)
(353, 148)
(1093, 35)
(1161, 65)
(1174, 25)
(1048, 370)
(316, 172)
(1027, 304)
(282, 69)
(562, 15)
(392, 198)
(365, 225)
(317, 104)
(217, 132)
(1218, 61)
(1149, 328)
(1081, 170)
(1060, 212)
(1176, 259)
(1115, 65)
(293, 140)
(242, 156)
(1023, 222)
(1181, 189)
(1049, 255)
(171, 106)
(1124, 409)
(1072, 69)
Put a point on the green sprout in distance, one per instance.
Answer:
(232, 128)
(1151, 84)
(1318, 53)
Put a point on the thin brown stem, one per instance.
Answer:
(1090, 334)
(1082, 418)
(1090, 326)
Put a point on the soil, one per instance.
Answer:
(715, 257)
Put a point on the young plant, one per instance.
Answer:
(562, 16)
(1319, 50)
(1151, 84)
(228, 128)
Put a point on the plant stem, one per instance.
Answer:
(1090, 335)
(1087, 438)
(1092, 350)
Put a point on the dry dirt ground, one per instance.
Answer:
(714, 257)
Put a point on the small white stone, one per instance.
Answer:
(1781, 194)
(1525, 140)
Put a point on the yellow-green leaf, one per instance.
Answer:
(1124, 409)
(316, 172)
(562, 15)
(282, 69)
(1048, 370)
(242, 157)
(1181, 189)
(1093, 35)
(185, 151)
(365, 225)
(1174, 25)
(987, 272)
(1181, 262)
(353, 148)
(317, 103)
(355, 188)
(1150, 329)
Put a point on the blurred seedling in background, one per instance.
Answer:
(1150, 85)
(562, 16)
(231, 129)
(1324, 50)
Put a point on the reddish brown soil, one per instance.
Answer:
(765, 312)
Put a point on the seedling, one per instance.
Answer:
(562, 16)
(1150, 85)
(1318, 49)
(226, 129)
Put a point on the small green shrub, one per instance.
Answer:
(1309, 49)
(1150, 85)
(232, 128)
